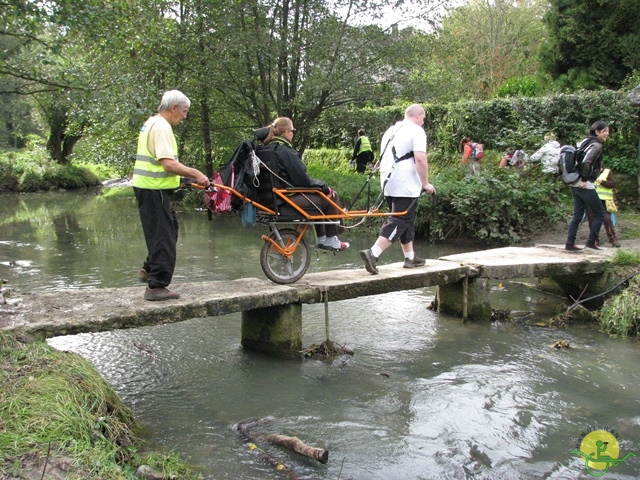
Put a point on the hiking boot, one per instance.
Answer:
(143, 276)
(614, 241)
(369, 261)
(592, 246)
(414, 262)
(573, 248)
(159, 294)
(333, 244)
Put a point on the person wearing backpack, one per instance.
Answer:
(513, 158)
(362, 152)
(547, 154)
(293, 172)
(583, 190)
(404, 174)
(472, 153)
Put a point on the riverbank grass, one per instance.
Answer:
(620, 315)
(58, 414)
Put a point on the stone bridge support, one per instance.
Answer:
(273, 330)
(467, 298)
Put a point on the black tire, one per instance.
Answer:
(280, 269)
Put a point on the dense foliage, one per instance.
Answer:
(592, 43)
(67, 74)
(499, 206)
(501, 122)
(31, 169)
(620, 315)
(481, 49)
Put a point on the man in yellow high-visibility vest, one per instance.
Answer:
(362, 152)
(156, 174)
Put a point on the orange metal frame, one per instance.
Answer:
(284, 194)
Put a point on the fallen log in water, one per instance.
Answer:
(243, 428)
(296, 445)
(291, 443)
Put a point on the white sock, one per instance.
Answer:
(376, 251)
(322, 239)
(409, 255)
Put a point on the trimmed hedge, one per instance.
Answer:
(499, 123)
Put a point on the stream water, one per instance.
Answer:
(423, 397)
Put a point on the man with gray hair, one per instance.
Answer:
(156, 174)
(404, 173)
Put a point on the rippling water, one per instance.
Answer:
(423, 397)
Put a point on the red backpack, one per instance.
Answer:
(218, 200)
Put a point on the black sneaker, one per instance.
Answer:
(369, 261)
(573, 248)
(414, 262)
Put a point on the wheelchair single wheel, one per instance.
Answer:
(287, 267)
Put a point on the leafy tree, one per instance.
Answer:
(54, 53)
(295, 58)
(480, 46)
(592, 43)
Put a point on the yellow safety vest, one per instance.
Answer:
(604, 193)
(147, 171)
(365, 145)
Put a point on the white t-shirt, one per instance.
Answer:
(404, 180)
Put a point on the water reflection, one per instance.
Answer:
(424, 396)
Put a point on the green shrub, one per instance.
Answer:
(526, 86)
(33, 180)
(336, 159)
(9, 177)
(620, 315)
(501, 122)
(499, 206)
(30, 170)
(72, 177)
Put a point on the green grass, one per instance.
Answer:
(628, 222)
(626, 258)
(620, 315)
(55, 403)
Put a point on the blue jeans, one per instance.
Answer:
(583, 198)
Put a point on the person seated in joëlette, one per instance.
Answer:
(293, 172)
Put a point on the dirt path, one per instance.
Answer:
(557, 235)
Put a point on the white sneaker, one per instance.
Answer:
(334, 244)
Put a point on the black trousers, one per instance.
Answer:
(361, 161)
(315, 204)
(400, 227)
(160, 227)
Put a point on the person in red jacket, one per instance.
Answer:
(469, 159)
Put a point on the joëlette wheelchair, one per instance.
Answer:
(286, 255)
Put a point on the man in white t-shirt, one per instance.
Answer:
(404, 173)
